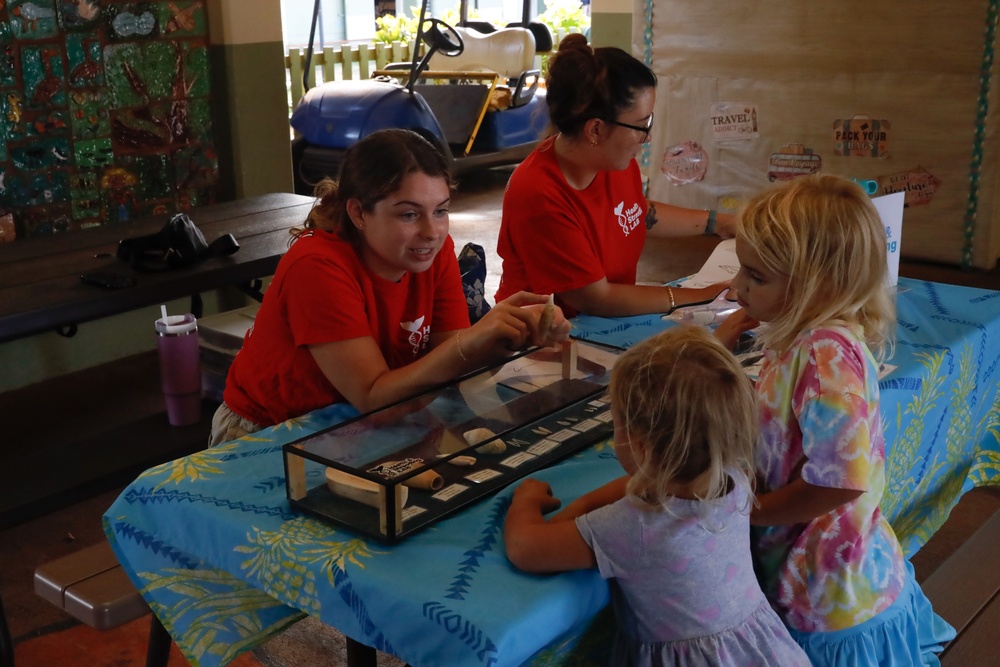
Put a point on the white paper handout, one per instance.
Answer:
(721, 265)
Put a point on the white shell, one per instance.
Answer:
(356, 488)
(463, 461)
(477, 435)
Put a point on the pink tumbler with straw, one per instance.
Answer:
(180, 367)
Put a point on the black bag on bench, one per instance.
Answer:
(179, 243)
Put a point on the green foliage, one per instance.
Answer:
(393, 28)
(403, 29)
(561, 16)
(565, 16)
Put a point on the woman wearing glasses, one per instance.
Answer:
(574, 215)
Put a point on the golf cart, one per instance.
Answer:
(474, 93)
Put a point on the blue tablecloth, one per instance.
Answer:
(224, 562)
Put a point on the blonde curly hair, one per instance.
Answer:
(683, 398)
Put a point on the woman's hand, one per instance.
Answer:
(725, 225)
(513, 324)
(687, 296)
(731, 328)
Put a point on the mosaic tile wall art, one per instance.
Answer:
(105, 111)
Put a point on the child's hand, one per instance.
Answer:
(732, 327)
(537, 494)
(536, 545)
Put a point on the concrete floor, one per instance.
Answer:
(475, 217)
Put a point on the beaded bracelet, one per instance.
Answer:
(710, 225)
(673, 304)
(458, 344)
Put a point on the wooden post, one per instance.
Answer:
(329, 60)
(295, 75)
(364, 53)
(296, 471)
(347, 62)
(569, 358)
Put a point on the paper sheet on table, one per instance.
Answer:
(528, 374)
(721, 265)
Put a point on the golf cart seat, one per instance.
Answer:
(510, 52)
(543, 36)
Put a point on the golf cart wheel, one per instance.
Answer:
(311, 164)
(299, 183)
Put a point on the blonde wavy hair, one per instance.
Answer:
(824, 234)
(683, 398)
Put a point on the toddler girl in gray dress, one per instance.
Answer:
(673, 535)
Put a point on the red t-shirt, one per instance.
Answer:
(323, 292)
(554, 238)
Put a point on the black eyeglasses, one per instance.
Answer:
(638, 128)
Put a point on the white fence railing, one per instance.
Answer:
(351, 62)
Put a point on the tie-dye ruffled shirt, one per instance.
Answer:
(819, 404)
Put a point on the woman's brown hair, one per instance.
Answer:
(584, 83)
(372, 170)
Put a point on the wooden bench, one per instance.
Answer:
(92, 586)
(41, 291)
(965, 591)
(111, 427)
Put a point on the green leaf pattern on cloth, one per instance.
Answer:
(940, 477)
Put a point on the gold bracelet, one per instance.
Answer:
(673, 304)
(458, 344)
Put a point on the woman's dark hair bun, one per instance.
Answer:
(574, 42)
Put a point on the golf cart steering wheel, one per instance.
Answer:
(442, 37)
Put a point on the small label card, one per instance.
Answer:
(517, 459)
(412, 511)
(543, 447)
(483, 475)
(586, 425)
(449, 492)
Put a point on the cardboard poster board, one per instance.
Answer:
(759, 91)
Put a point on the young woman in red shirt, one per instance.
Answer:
(575, 218)
(367, 305)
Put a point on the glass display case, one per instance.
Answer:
(394, 471)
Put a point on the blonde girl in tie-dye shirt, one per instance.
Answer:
(813, 267)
